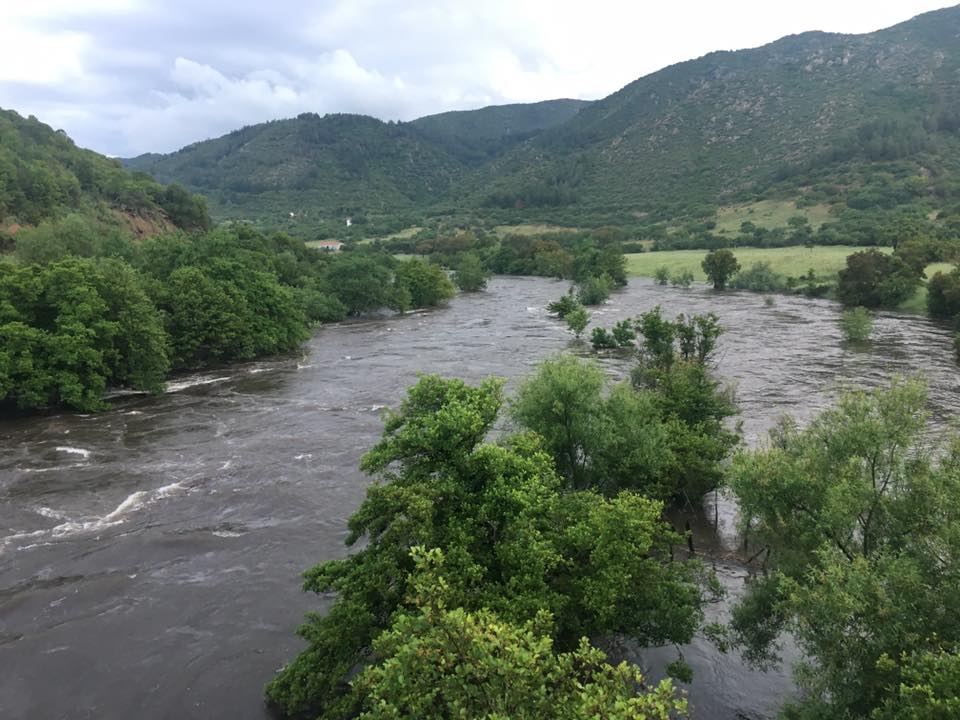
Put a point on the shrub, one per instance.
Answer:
(594, 290)
(684, 278)
(759, 277)
(856, 324)
(577, 320)
(662, 275)
(602, 340)
(566, 304)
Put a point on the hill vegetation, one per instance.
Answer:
(44, 176)
(839, 130)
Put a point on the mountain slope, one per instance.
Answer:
(860, 121)
(476, 136)
(43, 175)
(334, 164)
(339, 165)
(734, 123)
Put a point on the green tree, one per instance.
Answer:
(594, 290)
(577, 320)
(437, 662)
(514, 543)
(856, 324)
(427, 284)
(943, 295)
(618, 438)
(662, 275)
(874, 279)
(719, 266)
(858, 520)
(362, 283)
(562, 403)
(470, 275)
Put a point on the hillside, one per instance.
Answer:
(334, 165)
(476, 136)
(43, 176)
(806, 110)
(302, 171)
(866, 122)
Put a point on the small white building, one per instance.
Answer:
(349, 222)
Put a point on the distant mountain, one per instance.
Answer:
(43, 175)
(477, 136)
(335, 164)
(807, 109)
(861, 120)
(348, 164)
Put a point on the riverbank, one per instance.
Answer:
(824, 260)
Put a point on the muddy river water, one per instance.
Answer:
(150, 555)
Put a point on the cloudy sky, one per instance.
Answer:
(131, 76)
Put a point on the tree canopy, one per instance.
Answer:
(515, 543)
(861, 520)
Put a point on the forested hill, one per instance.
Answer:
(338, 165)
(476, 136)
(335, 164)
(863, 121)
(811, 112)
(44, 176)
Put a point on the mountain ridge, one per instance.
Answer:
(814, 116)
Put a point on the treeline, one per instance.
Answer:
(576, 256)
(43, 174)
(83, 308)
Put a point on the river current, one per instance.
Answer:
(150, 555)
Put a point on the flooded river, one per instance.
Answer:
(150, 555)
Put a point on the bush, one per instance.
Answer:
(875, 279)
(856, 324)
(566, 304)
(602, 340)
(577, 320)
(594, 290)
(720, 266)
(684, 278)
(759, 277)
(662, 275)
(624, 333)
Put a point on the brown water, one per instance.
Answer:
(150, 555)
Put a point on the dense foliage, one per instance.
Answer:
(516, 542)
(43, 175)
(874, 279)
(860, 518)
(437, 662)
(856, 324)
(85, 307)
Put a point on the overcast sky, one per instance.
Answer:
(130, 76)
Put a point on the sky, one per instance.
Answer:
(125, 77)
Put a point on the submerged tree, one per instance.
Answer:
(719, 266)
(437, 662)
(862, 528)
(515, 543)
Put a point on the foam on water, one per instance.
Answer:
(73, 451)
(72, 527)
(193, 382)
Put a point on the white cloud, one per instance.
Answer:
(128, 76)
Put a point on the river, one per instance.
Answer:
(150, 555)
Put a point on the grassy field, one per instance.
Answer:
(789, 261)
(768, 214)
(530, 229)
